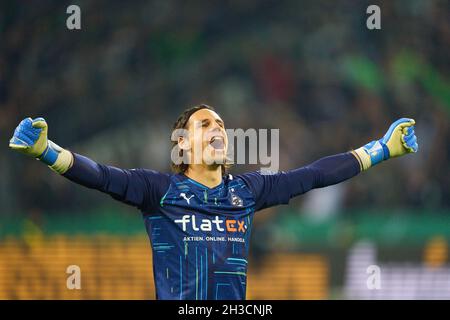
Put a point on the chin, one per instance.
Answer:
(217, 158)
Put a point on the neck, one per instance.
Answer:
(210, 176)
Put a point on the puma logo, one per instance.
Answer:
(183, 195)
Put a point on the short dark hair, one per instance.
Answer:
(181, 123)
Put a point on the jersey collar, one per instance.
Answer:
(201, 185)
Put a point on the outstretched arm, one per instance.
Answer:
(270, 190)
(274, 189)
(138, 187)
(141, 188)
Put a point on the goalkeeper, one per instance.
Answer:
(199, 218)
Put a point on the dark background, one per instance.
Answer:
(312, 69)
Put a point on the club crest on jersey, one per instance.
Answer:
(236, 201)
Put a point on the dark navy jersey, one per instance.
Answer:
(200, 236)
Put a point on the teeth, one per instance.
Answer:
(216, 138)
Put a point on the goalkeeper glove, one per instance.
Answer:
(30, 138)
(400, 139)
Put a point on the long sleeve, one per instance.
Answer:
(279, 188)
(141, 188)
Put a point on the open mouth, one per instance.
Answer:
(217, 142)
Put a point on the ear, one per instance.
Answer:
(183, 143)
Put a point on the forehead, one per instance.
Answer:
(204, 114)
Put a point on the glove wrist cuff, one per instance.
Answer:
(363, 158)
(371, 154)
(49, 155)
(58, 159)
(63, 162)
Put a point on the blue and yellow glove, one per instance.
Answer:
(399, 140)
(30, 138)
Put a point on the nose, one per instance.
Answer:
(215, 126)
(215, 129)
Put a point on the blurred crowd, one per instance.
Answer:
(113, 89)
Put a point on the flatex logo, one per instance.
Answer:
(230, 225)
